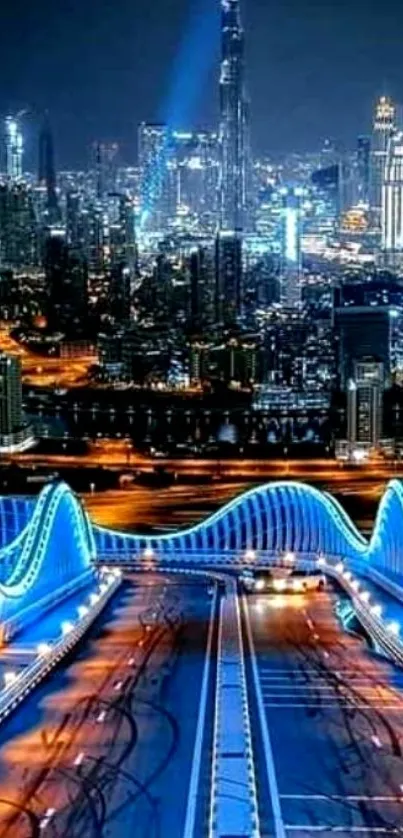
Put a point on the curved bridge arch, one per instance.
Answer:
(276, 517)
(53, 552)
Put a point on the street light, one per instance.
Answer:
(393, 628)
(66, 627)
(10, 678)
(43, 649)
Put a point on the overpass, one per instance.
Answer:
(49, 546)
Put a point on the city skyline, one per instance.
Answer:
(311, 73)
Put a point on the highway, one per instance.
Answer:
(334, 718)
(98, 749)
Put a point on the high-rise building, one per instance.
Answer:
(232, 118)
(18, 226)
(15, 434)
(47, 170)
(66, 283)
(363, 169)
(14, 149)
(10, 394)
(291, 268)
(201, 270)
(194, 162)
(154, 149)
(392, 203)
(105, 157)
(383, 129)
(228, 296)
(368, 332)
(365, 405)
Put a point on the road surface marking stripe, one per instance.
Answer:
(118, 686)
(316, 636)
(46, 818)
(79, 758)
(309, 623)
(335, 705)
(308, 828)
(194, 782)
(101, 716)
(279, 829)
(325, 653)
(330, 798)
(320, 685)
(377, 742)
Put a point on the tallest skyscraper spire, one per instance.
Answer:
(232, 117)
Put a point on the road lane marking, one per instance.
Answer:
(46, 818)
(118, 686)
(79, 758)
(348, 830)
(377, 742)
(279, 829)
(316, 637)
(325, 653)
(377, 798)
(335, 705)
(101, 717)
(309, 623)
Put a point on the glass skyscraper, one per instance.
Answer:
(232, 119)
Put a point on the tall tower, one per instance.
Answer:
(46, 167)
(232, 118)
(291, 268)
(392, 203)
(383, 130)
(14, 149)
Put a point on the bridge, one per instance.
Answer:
(50, 550)
(49, 546)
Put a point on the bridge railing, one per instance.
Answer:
(20, 685)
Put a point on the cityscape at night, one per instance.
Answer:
(201, 420)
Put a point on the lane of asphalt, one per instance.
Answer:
(335, 717)
(105, 746)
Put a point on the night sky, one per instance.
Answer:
(101, 66)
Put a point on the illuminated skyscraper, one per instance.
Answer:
(384, 128)
(363, 169)
(392, 203)
(291, 268)
(14, 149)
(154, 147)
(364, 405)
(232, 121)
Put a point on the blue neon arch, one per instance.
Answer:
(49, 545)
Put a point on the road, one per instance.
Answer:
(38, 371)
(334, 715)
(104, 748)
